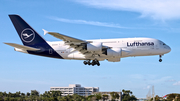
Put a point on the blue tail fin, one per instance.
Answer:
(26, 33)
(31, 38)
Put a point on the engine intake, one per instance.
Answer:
(96, 46)
(114, 52)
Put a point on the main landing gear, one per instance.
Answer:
(160, 60)
(94, 62)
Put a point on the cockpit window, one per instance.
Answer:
(162, 43)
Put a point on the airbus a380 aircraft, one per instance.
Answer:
(92, 51)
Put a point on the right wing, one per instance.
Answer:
(77, 44)
(65, 38)
(22, 47)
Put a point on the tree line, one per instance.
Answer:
(34, 95)
(169, 97)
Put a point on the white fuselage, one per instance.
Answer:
(92, 51)
(127, 46)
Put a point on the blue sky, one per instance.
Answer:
(92, 19)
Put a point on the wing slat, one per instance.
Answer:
(65, 37)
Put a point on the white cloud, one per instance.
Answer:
(151, 79)
(27, 82)
(177, 83)
(160, 80)
(95, 23)
(147, 87)
(143, 77)
(156, 9)
(171, 80)
(137, 76)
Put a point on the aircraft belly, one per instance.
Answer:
(62, 53)
(75, 55)
(143, 52)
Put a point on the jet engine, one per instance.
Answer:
(96, 46)
(113, 52)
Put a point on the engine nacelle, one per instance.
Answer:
(114, 52)
(114, 59)
(96, 46)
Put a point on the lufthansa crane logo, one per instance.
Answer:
(27, 35)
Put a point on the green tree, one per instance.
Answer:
(76, 97)
(127, 96)
(98, 96)
(28, 99)
(178, 97)
(51, 94)
(157, 98)
(114, 95)
(6, 99)
(105, 97)
(173, 96)
(4, 94)
(62, 98)
(1, 95)
(90, 97)
(28, 94)
(23, 95)
(17, 94)
(55, 93)
(34, 93)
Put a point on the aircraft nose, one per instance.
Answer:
(168, 49)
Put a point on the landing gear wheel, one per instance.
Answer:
(85, 62)
(89, 63)
(98, 64)
(94, 62)
(160, 60)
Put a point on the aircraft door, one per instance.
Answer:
(156, 46)
(50, 51)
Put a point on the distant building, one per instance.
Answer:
(75, 89)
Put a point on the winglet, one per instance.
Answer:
(45, 32)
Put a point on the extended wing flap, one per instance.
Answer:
(22, 47)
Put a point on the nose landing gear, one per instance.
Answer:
(160, 60)
(94, 62)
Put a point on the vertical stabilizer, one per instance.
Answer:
(31, 38)
(26, 33)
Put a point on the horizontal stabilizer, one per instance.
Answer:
(22, 47)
